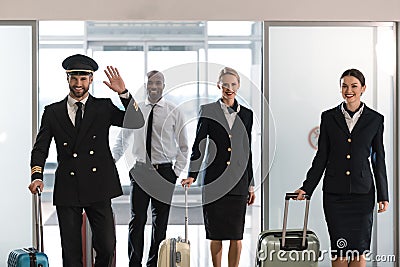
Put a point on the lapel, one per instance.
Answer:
(61, 113)
(362, 120)
(88, 119)
(241, 115)
(340, 120)
(219, 116)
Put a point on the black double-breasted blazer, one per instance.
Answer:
(86, 172)
(227, 166)
(347, 158)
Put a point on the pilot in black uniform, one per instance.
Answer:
(86, 177)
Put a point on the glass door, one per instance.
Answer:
(190, 54)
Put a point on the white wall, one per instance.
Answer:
(309, 10)
(15, 137)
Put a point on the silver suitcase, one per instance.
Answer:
(293, 247)
(175, 252)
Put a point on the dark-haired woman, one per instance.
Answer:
(350, 142)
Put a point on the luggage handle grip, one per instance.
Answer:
(186, 214)
(289, 196)
(38, 219)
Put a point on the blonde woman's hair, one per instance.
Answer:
(228, 70)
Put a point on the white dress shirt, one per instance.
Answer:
(72, 108)
(169, 143)
(351, 121)
(230, 117)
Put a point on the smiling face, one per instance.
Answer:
(79, 85)
(155, 87)
(229, 85)
(352, 91)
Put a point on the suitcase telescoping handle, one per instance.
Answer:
(186, 215)
(38, 220)
(289, 196)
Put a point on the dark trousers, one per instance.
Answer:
(101, 220)
(139, 201)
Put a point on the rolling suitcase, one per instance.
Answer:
(294, 247)
(32, 256)
(175, 252)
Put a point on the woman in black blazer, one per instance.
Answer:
(350, 141)
(224, 137)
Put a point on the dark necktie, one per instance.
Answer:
(78, 115)
(233, 108)
(148, 135)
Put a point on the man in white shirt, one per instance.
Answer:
(159, 150)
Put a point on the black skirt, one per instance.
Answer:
(349, 219)
(224, 218)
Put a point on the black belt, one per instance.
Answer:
(156, 166)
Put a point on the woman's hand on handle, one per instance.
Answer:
(383, 206)
(251, 197)
(300, 194)
(188, 181)
(34, 185)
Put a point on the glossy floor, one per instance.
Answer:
(200, 255)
